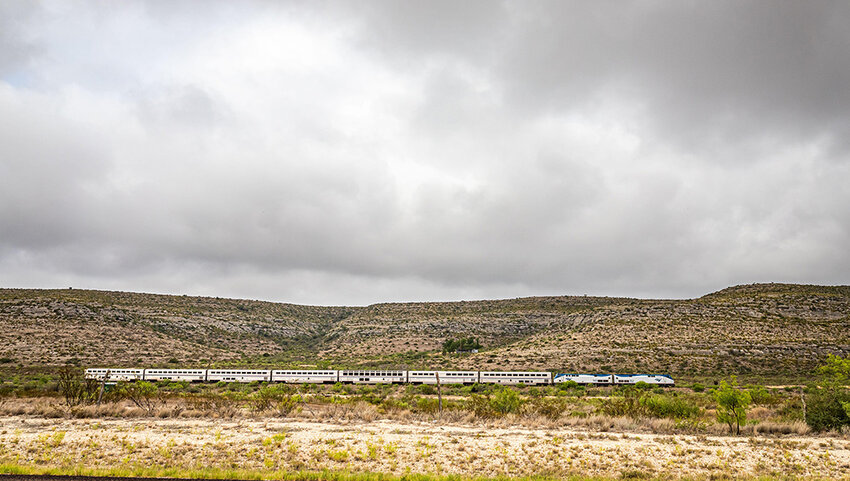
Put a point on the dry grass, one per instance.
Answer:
(500, 448)
(793, 427)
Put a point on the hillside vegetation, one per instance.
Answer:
(776, 332)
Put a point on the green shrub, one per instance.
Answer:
(697, 387)
(552, 408)
(662, 406)
(624, 402)
(506, 401)
(633, 403)
(427, 405)
(476, 388)
(827, 404)
(566, 386)
(825, 409)
(287, 404)
(268, 397)
(760, 395)
(426, 389)
(480, 406)
(144, 395)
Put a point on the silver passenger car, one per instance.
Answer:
(238, 375)
(115, 374)
(516, 377)
(191, 375)
(373, 377)
(446, 377)
(306, 376)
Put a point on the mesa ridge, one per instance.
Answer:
(771, 332)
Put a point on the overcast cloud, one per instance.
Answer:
(360, 152)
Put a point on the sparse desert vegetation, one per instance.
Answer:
(759, 392)
(763, 333)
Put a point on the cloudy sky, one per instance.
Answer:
(359, 152)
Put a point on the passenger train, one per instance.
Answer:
(330, 376)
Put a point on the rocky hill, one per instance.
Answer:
(761, 331)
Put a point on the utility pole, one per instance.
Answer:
(102, 387)
(439, 393)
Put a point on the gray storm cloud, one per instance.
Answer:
(327, 154)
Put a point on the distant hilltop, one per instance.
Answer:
(759, 331)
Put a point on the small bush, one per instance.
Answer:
(426, 389)
(505, 401)
(660, 406)
(568, 385)
(480, 406)
(144, 395)
(760, 395)
(217, 405)
(551, 408)
(426, 405)
(636, 404)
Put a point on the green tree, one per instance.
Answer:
(836, 371)
(461, 344)
(732, 404)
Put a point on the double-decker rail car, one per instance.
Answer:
(515, 377)
(588, 379)
(116, 374)
(191, 375)
(373, 377)
(238, 375)
(446, 377)
(654, 379)
(304, 376)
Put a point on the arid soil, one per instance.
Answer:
(409, 447)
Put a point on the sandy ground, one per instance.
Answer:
(408, 447)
